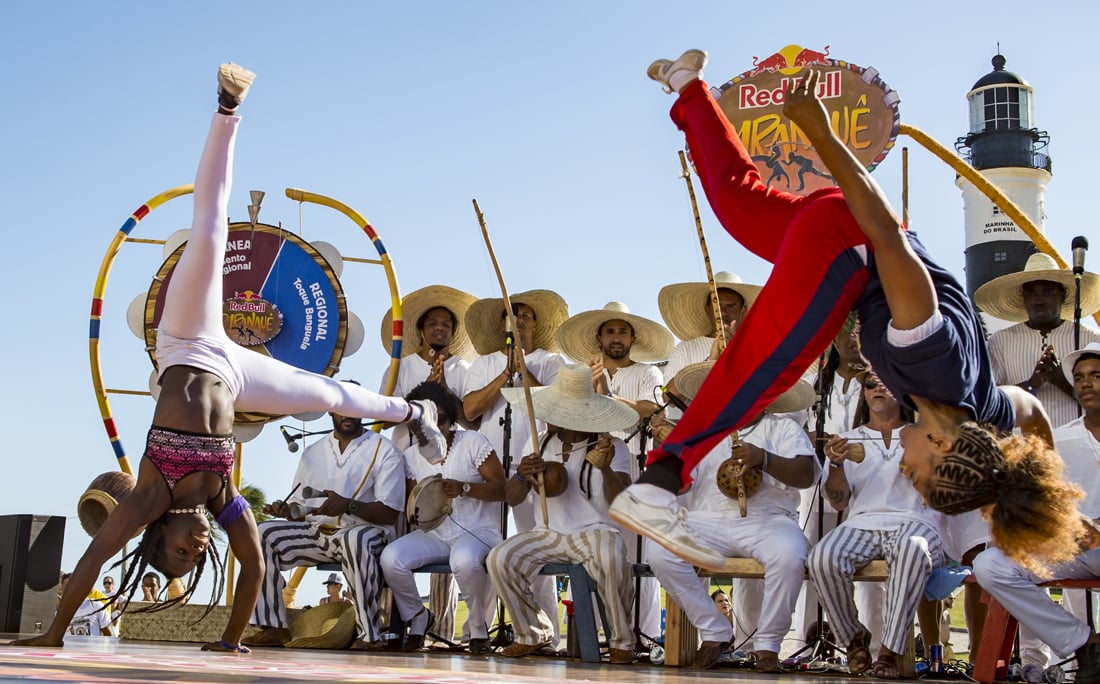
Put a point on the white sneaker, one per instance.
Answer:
(233, 83)
(662, 69)
(433, 445)
(664, 525)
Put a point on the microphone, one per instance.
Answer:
(291, 444)
(1080, 246)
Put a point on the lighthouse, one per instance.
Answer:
(1004, 145)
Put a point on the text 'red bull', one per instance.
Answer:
(750, 96)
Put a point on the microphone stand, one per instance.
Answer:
(644, 643)
(504, 632)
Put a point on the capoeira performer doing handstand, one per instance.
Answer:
(204, 378)
(836, 250)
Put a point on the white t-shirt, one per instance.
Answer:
(370, 469)
(576, 510)
(686, 353)
(1014, 351)
(543, 364)
(468, 451)
(842, 405)
(779, 435)
(1081, 453)
(414, 370)
(89, 620)
(882, 496)
(635, 382)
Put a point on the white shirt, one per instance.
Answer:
(686, 353)
(635, 382)
(468, 451)
(842, 405)
(882, 496)
(370, 469)
(543, 364)
(1081, 453)
(779, 435)
(1014, 351)
(89, 620)
(414, 370)
(576, 510)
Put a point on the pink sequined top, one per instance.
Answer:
(178, 454)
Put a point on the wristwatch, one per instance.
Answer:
(465, 488)
(353, 506)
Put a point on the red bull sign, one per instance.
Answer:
(862, 108)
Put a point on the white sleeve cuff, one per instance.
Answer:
(907, 338)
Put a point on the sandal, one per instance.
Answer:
(859, 658)
(886, 667)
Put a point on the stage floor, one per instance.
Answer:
(103, 660)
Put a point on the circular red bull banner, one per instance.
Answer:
(280, 298)
(862, 107)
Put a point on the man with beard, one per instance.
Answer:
(538, 315)
(435, 349)
(612, 341)
(361, 475)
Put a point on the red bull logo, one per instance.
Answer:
(250, 320)
(863, 111)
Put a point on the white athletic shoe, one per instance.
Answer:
(233, 83)
(662, 69)
(433, 445)
(664, 525)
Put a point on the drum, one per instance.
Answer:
(428, 506)
(101, 497)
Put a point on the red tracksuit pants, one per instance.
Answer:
(816, 278)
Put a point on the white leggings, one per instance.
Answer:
(191, 331)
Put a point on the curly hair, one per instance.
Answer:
(1034, 519)
(447, 403)
(1017, 483)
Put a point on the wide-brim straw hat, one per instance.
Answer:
(577, 336)
(570, 402)
(416, 304)
(483, 319)
(1070, 359)
(799, 397)
(683, 305)
(1003, 296)
(330, 625)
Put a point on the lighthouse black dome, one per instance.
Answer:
(999, 76)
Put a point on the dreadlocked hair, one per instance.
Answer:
(148, 553)
(1034, 519)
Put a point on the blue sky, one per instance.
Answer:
(407, 111)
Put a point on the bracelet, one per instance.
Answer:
(834, 464)
(764, 465)
(230, 647)
(519, 477)
(1028, 387)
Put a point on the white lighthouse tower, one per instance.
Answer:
(1005, 147)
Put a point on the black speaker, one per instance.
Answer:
(30, 563)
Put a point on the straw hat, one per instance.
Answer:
(798, 398)
(577, 336)
(1002, 297)
(416, 304)
(483, 319)
(1070, 359)
(330, 625)
(571, 403)
(682, 305)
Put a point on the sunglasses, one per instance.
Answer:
(871, 382)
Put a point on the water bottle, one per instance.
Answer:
(1031, 673)
(1054, 675)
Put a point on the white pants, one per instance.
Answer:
(911, 550)
(776, 542)
(466, 555)
(288, 544)
(1016, 589)
(193, 313)
(516, 562)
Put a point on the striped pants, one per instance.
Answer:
(515, 564)
(288, 544)
(819, 257)
(911, 550)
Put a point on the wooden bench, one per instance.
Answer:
(681, 637)
(999, 633)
